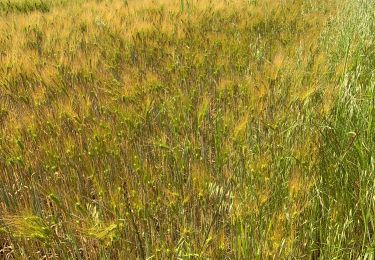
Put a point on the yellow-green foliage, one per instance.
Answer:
(170, 129)
(28, 227)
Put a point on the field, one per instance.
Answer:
(186, 129)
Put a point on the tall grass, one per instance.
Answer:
(28, 6)
(187, 129)
(347, 166)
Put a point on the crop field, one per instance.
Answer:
(187, 129)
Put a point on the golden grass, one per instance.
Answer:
(165, 129)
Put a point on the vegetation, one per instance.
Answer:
(187, 129)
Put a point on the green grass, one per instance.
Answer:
(347, 165)
(24, 6)
(187, 129)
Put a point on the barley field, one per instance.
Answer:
(187, 129)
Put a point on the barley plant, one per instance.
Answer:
(187, 129)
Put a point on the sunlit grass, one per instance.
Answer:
(186, 129)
